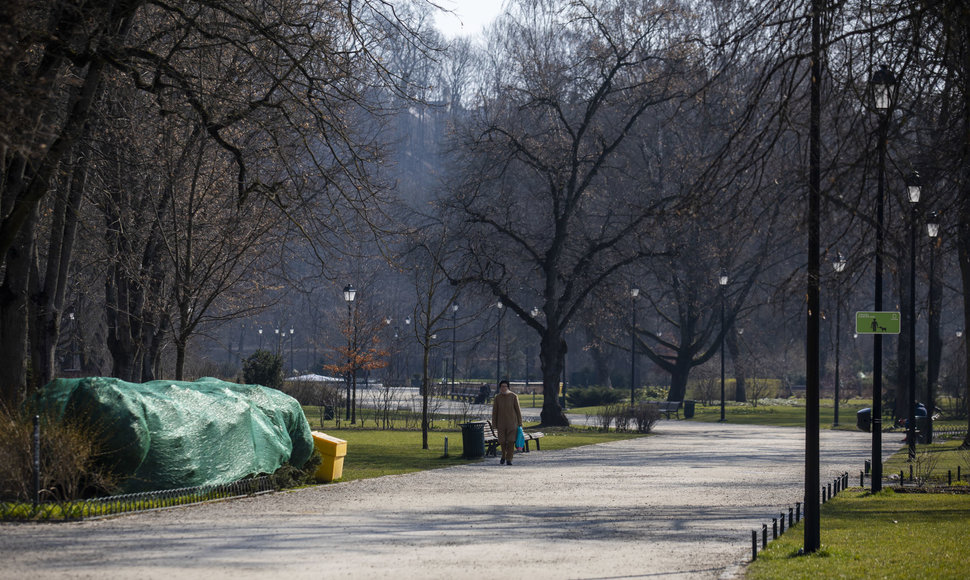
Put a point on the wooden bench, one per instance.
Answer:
(668, 407)
(491, 439)
(479, 394)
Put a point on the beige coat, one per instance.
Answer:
(506, 415)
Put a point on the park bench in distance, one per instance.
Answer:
(471, 392)
(668, 407)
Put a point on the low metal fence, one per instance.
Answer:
(134, 502)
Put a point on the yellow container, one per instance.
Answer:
(333, 451)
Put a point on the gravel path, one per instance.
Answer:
(678, 505)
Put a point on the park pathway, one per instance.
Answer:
(678, 505)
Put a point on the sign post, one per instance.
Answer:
(877, 322)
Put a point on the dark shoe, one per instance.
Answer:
(509, 462)
(502, 462)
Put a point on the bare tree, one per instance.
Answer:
(277, 87)
(432, 315)
(547, 209)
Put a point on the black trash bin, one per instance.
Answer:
(473, 440)
(924, 430)
(688, 409)
(863, 419)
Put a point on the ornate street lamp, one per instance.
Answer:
(839, 266)
(634, 292)
(407, 365)
(454, 327)
(883, 86)
(913, 188)
(933, 339)
(498, 346)
(722, 281)
(350, 293)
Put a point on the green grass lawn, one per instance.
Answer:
(778, 413)
(789, 414)
(374, 453)
(936, 463)
(886, 535)
(889, 534)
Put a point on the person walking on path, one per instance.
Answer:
(506, 418)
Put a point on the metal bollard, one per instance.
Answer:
(911, 473)
(868, 466)
(754, 545)
(829, 487)
(781, 528)
(798, 511)
(446, 447)
(862, 479)
(791, 516)
(949, 477)
(774, 528)
(764, 536)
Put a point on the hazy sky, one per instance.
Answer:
(473, 15)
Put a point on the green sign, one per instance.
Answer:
(877, 322)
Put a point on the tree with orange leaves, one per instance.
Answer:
(362, 352)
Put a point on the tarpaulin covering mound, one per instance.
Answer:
(172, 434)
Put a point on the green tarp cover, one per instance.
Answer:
(172, 434)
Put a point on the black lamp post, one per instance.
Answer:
(407, 366)
(292, 364)
(722, 282)
(535, 313)
(454, 327)
(933, 340)
(839, 266)
(634, 292)
(498, 346)
(913, 187)
(349, 294)
(260, 338)
(813, 226)
(883, 84)
(75, 358)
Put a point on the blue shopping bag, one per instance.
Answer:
(520, 440)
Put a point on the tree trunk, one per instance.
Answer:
(425, 393)
(49, 294)
(959, 37)
(551, 354)
(179, 360)
(121, 300)
(678, 377)
(901, 406)
(964, 255)
(14, 319)
(601, 366)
